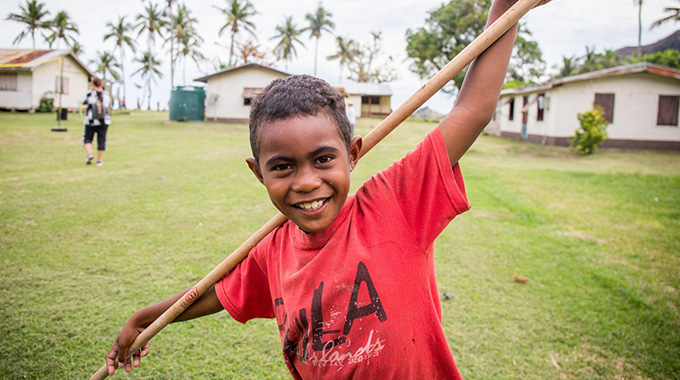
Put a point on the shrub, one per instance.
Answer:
(46, 104)
(592, 132)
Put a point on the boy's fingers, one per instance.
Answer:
(122, 355)
(128, 365)
(145, 349)
(111, 359)
(135, 360)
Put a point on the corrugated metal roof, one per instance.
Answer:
(27, 59)
(636, 68)
(21, 56)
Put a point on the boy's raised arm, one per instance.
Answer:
(481, 88)
(118, 354)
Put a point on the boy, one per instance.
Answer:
(349, 278)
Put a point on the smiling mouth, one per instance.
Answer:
(312, 206)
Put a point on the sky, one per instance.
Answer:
(562, 28)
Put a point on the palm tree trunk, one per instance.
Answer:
(316, 53)
(172, 46)
(148, 82)
(122, 71)
(639, 27)
(148, 103)
(33, 37)
(231, 49)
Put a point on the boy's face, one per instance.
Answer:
(305, 166)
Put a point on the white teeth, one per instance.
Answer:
(311, 206)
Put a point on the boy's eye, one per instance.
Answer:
(281, 167)
(324, 159)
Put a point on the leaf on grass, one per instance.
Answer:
(520, 279)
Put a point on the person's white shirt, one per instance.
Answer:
(351, 115)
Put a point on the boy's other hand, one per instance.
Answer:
(118, 355)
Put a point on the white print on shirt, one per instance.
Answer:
(331, 357)
(296, 337)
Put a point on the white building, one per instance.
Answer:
(641, 101)
(28, 75)
(369, 99)
(230, 92)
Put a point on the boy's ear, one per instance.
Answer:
(354, 151)
(255, 168)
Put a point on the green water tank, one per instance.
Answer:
(187, 103)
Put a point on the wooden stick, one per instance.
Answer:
(457, 64)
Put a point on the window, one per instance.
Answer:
(370, 100)
(511, 102)
(249, 94)
(606, 101)
(540, 106)
(64, 85)
(668, 110)
(8, 82)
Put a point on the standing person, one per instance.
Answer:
(352, 116)
(349, 278)
(97, 120)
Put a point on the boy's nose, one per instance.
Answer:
(306, 180)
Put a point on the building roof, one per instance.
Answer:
(29, 60)
(366, 89)
(238, 68)
(636, 68)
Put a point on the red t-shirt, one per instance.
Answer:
(359, 300)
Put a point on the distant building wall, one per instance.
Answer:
(635, 112)
(381, 108)
(76, 84)
(229, 105)
(20, 98)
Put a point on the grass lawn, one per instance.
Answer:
(83, 247)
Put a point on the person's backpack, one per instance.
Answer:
(98, 111)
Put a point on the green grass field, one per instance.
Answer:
(83, 247)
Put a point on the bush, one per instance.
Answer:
(592, 132)
(46, 105)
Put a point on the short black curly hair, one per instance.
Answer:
(298, 95)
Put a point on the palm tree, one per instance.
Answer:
(120, 34)
(149, 70)
(588, 61)
(187, 38)
(62, 28)
(673, 16)
(346, 52)
(32, 15)
(238, 14)
(105, 63)
(171, 27)
(77, 49)
(184, 34)
(288, 34)
(189, 48)
(639, 5)
(152, 22)
(319, 22)
(569, 66)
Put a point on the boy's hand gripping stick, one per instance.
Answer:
(446, 74)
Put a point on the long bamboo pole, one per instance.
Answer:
(457, 64)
